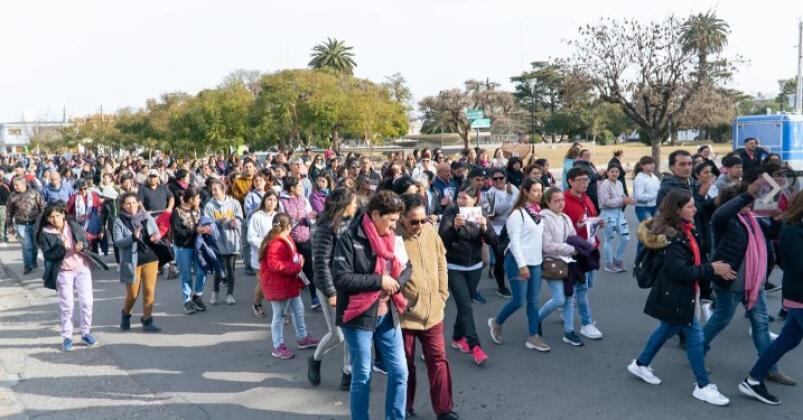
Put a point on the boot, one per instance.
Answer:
(314, 371)
(125, 321)
(149, 326)
(345, 381)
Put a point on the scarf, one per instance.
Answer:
(755, 264)
(534, 210)
(383, 247)
(81, 207)
(687, 228)
(133, 221)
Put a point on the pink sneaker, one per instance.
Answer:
(282, 352)
(307, 342)
(461, 345)
(479, 356)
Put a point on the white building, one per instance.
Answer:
(15, 136)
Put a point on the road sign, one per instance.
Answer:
(474, 114)
(481, 123)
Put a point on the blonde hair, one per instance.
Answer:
(281, 222)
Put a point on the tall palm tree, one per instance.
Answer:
(704, 34)
(333, 54)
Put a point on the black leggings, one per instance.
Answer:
(499, 268)
(461, 286)
(228, 262)
(305, 248)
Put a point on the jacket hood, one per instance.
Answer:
(650, 239)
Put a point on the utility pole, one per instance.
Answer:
(799, 95)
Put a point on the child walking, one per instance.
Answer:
(280, 265)
(67, 270)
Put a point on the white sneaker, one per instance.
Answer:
(213, 299)
(230, 300)
(706, 309)
(644, 372)
(773, 336)
(710, 394)
(591, 331)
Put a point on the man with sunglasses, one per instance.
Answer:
(427, 291)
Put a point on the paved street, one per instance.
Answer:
(217, 364)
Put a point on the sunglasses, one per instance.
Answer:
(418, 222)
(498, 178)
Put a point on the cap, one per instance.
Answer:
(153, 172)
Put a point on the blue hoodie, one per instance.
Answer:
(52, 194)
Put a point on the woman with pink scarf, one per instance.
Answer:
(741, 240)
(368, 271)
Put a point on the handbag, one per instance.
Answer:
(554, 269)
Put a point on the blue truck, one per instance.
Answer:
(777, 133)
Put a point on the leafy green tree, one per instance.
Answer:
(333, 54)
(704, 34)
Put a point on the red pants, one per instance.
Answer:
(440, 379)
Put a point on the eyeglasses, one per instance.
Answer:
(418, 222)
(498, 178)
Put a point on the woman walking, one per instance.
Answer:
(259, 226)
(228, 216)
(332, 223)
(645, 188)
(463, 238)
(612, 200)
(134, 232)
(184, 223)
(67, 270)
(676, 291)
(497, 205)
(523, 259)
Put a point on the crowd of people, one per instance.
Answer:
(381, 249)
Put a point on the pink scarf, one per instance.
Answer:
(755, 264)
(383, 247)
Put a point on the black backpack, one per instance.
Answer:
(503, 239)
(647, 266)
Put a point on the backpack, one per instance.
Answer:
(647, 266)
(503, 239)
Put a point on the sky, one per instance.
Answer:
(81, 55)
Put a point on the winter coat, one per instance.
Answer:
(183, 224)
(127, 246)
(278, 275)
(673, 295)
(53, 251)
(593, 180)
(428, 287)
(791, 240)
(353, 273)
(317, 201)
(557, 228)
(24, 208)
(705, 208)
(52, 194)
(323, 247)
(464, 244)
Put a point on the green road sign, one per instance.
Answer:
(481, 123)
(474, 114)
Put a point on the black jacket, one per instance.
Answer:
(463, 245)
(672, 298)
(730, 235)
(747, 162)
(53, 251)
(353, 272)
(791, 239)
(705, 207)
(183, 236)
(323, 248)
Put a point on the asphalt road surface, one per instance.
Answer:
(217, 364)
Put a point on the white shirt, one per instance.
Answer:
(645, 189)
(258, 227)
(525, 238)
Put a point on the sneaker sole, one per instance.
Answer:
(746, 390)
(634, 373)
(572, 343)
(534, 347)
(503, 296)
(456, 347)
(493, 338)
(283, 357)
(715, 403)
(590, 337)
(307, 346)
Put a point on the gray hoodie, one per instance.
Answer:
(224, 211)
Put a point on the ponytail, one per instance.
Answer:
(281, 222)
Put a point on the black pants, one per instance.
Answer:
(305, 248)
(499, 268)
(461, 285)
(228, 262)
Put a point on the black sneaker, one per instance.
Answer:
(250, 272)
(759, 392)
(504, 293)
(314, 371)
(771, 287)
(782, 314)
(448, 416)
(199, 303)
(572, 338)
(189, 308)
(345, 382)
(479, 298)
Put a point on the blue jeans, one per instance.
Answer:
(556, 300)
(615, 227)
(280, 307)
(789, 338)
(25, 233)
(187, 260)
(522, 289)
(694, 347)
(644, 212)
(727, 302)
(579, 299)
(390, 344)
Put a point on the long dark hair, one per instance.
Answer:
(667, 219)
(335, 206)
(525, 187)
(268, 193)
(57, 207)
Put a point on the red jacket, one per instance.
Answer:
(278, 273)
(578, 208)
